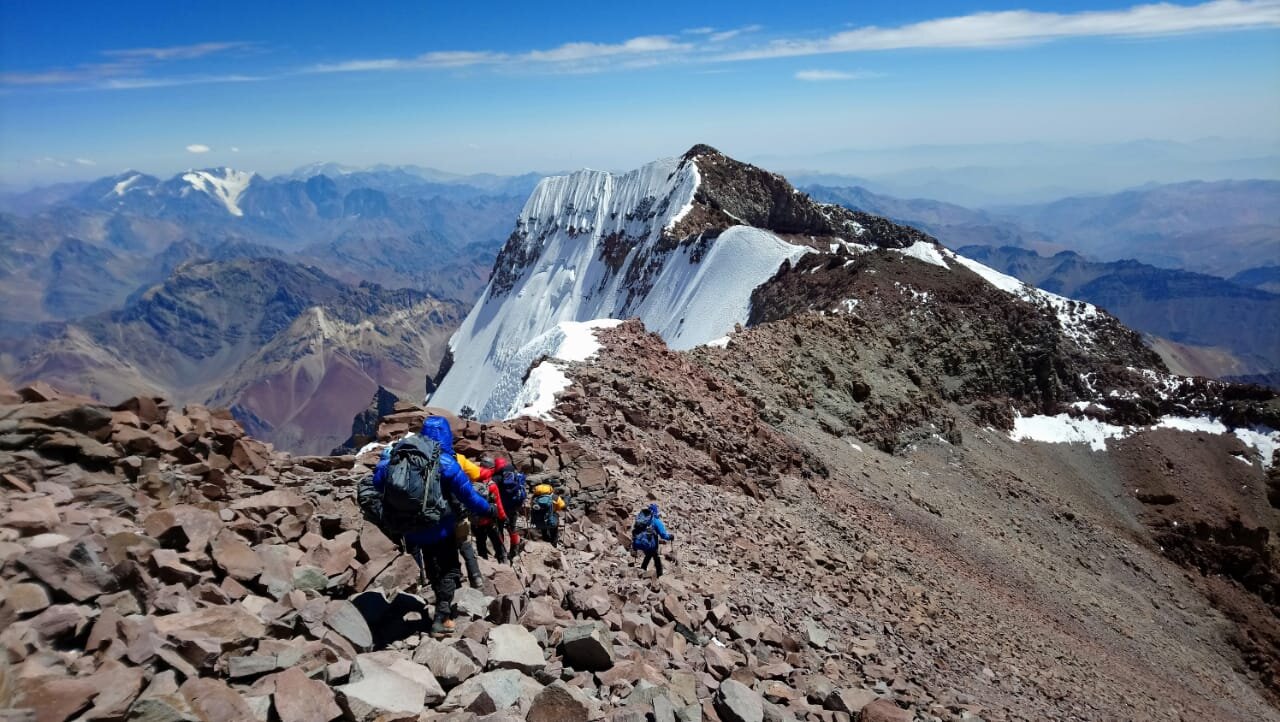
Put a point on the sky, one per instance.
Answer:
(88, 89)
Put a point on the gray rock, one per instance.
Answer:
(736, 702)
(818, 637)
(342, 617)
(511, 646)
(472, 602)
(380, 691)
(588, 646)
(491, 692)
(450, 667)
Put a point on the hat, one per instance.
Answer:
(500, 463)
(653, 508)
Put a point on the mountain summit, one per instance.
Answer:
(680, 243)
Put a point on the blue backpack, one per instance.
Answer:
(512, 487)
(543, 513)
(644, 537)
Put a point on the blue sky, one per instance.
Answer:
(90, 88)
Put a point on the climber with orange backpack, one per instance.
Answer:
(544, 512)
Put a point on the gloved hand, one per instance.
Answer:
(671, 537)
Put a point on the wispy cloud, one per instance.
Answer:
(84, 161)
(567, 56)
(724, 35)
(198, 148)
(178, 52)
(1020, 27)
(130, 68)
(814, 76)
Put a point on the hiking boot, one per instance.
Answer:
(442, 628)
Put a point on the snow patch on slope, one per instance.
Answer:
(568, 341)
(227, 188)
(1064, 429)
(1073, 316)
(923, 251)
(123, 186)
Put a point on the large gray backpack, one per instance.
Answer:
(411, 498)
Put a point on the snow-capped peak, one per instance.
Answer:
(224, 184)
(595, 245)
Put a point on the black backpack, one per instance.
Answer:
(411, 498)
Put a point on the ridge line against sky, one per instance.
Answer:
(126, 68)
(508, 88)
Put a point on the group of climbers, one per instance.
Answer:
(433, 499)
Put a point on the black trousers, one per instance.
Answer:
(486, 534)
(550, 534)
(444, 573)
(657, 561)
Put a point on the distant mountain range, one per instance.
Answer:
(222, 286)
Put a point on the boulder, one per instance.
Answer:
(297, 698)
(587, 646)
(511, 646)
(27, 598)
(450, 667)
(235, 557)
(491, 692)
(381, 693)
(344, 618)
(849, 700)
(76, 570)
(882, 710)
(213, 701)
(55, 699)
(736, 702)
(559, 702)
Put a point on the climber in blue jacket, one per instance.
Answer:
(438, 543)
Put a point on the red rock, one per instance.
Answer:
(882, 710)
(118, 685)
(250, 456)
(26, 598)
(298, 698)
(236, 557)
(214, 701)
(55, 699)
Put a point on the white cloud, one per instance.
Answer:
(697, 31)
(84, 161)
(235, 149)
(1020, 27)
(586, 51)
(198, 148)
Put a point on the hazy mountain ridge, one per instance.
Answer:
(285, 345)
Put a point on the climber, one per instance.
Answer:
(434, 545)
(488, 529)
(544, 513)
(466, 524)
(511, 487)
(647, 532)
